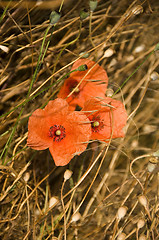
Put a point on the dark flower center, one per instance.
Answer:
(97, 124)
(57, 132)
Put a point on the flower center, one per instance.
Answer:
(76, 90)
(73, 86)
(57, 133)
(97, 124)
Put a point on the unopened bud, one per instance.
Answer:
(76, 217)
(154, 76)
(140, 223)
(139, 49)
(151, 167)
(121, 212)
(109, 92)
(82, 68)
(52, 201)
(84, 14)
(93, 5)
(142, 237)
(121, 236)
(156, 154)
(38, 2)
(4, 48)
(26, 176)
(84, 54)
(108, 53)
(67, 174)
(54, 17)
(143, 201)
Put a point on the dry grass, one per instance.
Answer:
(33, 191)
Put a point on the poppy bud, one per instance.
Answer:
(152, 163)
(108, 53)
(109, 92)
(143, 201)
(76, 217)
(4, 48)
(84, 14)
(151, 167)
(139, 48)
(140, 223)
(121, 212)
(121, 236)
(67, 174)
(93, 5)
(154, 76)
(26, 176)
(52, 201)
(142, 237)
(82, 68)
(84, 54)
(54, 17)
(156, 154)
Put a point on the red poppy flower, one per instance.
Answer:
(65, 133)
(107, 117)
(93, 85)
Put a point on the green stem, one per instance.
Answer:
(4, 12)
(40, 59)
(90, 28)
(72, 42)
(31, 98)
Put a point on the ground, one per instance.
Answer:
(114, 189)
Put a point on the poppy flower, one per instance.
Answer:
(93, 85)
(65, 133)
(107, 117)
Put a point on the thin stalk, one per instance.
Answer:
(127, 79)
(40, 59)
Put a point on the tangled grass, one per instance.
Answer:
(113, 192)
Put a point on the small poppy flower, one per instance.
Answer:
(107, 117)
(94, 84)
(65, 133)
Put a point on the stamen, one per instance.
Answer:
(95, 124)
(76, 90)
(72, 87)
(58, 132)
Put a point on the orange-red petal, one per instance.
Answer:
(95, 71)
(41, 120)
(93, 85)
(113, 115)
(78, 132)
(56, 106)
(38, 130)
